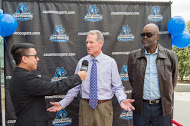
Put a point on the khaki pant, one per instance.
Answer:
(102, 115)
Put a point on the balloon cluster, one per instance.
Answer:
(180, 35)
(8, 24)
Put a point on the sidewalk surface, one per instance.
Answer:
(182, 108)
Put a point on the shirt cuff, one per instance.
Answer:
(121, 101)
(63, 104)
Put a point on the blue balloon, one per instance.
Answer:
(176, 25)
(1, 13)
(8, 25)
(185, 30)
(181, 40)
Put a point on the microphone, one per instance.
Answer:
(84, 66)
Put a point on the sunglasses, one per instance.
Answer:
(32, 55)
(149, 35)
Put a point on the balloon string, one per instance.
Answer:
(7, 49)
(5, 43)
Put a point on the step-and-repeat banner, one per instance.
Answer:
(58, 28)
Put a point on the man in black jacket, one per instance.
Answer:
(27, 90)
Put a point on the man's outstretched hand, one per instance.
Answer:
(126, 104)
(56, 107)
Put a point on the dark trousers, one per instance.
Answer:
(151, 116)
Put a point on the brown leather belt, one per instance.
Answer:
(155, 101)
(99, 101)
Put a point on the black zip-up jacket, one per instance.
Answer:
(28, 93)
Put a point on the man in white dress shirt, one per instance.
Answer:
(108, 83)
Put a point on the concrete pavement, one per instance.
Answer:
(182, 108)
(181, 105)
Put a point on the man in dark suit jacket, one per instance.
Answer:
(27, 90)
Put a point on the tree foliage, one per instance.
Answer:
(183, 58)
(188, 26)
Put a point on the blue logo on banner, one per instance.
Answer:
(60, 73)
(124, 34)
(93, 15)
(124, 73)
(126, 115)
(61, 119)
(155, 14)
(58, 35)
(21, 13)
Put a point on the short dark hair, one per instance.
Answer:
(19, 50)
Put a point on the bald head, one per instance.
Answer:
(150, 35)
(153, 28)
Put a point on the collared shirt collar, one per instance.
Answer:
(156, 52)
(98, 58)
(161, 54)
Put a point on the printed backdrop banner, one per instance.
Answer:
(58, 29)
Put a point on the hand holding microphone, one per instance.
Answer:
(82, 75)
(83, 71)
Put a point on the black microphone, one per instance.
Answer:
(84, 66)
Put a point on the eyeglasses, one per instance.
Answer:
(149, 35)
(32, 55)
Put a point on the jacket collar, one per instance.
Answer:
(20, 69)
(161, 53)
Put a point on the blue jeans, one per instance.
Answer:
(151, 116)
